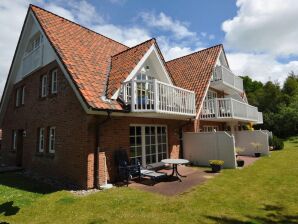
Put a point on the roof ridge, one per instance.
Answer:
(32, 5)
(130, 48)
(196, 52)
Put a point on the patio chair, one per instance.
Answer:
(126, 170)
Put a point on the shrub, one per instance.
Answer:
(216, 162)
(277, 143)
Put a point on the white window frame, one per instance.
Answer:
(23, 96)
(41, 140)
(143, 142)
(211, 95)
(54, 81)
(44, 85)
(18, 97)
(210, 128)
(34, 43)
(52, 139)
(14, 140)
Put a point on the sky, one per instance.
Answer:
(259, 36)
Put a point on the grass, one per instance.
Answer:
(266, 192)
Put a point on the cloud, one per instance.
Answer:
(262, 67)
(10, 31)
(167, 23)
(264, 26)
(174, 37)
(129, 36)
(262, 33)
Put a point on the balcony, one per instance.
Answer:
(229, 109)
(225, 80)
(157, 97)
(32, 60)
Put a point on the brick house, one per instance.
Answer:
(73, 97)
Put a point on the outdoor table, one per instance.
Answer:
(175, 163)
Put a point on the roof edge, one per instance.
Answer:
(196, 52)
(32, 5)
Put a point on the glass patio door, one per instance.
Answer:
(148, 144)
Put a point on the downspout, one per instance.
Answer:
(181, 137)
(97, 150)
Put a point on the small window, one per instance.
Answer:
(34, 43)
(211, 95)
(52, 136)
(44, 86)
(18, 97)
(54, 81)
(41, 140)
(14, 140)
(23, 96)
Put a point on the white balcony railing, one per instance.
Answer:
(227, 77)
(224, 108)
(159, 97)
(32, 60)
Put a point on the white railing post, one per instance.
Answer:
(133, 97)
(232, 108)
(216, 107)
(156, 94)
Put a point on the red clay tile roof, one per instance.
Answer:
(123, 63)
(85, 54)
(194, 71)
(98, 65)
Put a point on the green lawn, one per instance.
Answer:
(266, 192)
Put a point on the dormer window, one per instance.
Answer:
(34, 43)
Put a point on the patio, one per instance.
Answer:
(172, 186)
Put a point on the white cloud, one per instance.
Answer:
(262, 32)
(86, 14)
(164, 22)
(12, 15)
(262, 67)
(129, 36)
(264, 26)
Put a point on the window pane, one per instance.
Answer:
(132, 141)
(131, 131)
(139, 140)
(138, 130)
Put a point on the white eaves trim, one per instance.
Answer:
(140, 64)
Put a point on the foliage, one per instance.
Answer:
(218, 201)
(279, 105)
(239, 150)
(216, 162)
(277, 143)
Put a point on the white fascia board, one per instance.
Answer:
(139, 65)
(163, 67)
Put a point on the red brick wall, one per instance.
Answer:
(62, 111)
(114, 135)
(73, 161)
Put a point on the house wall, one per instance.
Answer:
(69, 163)
(114, 135)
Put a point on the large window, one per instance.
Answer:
(148, 143)
(52, 139)
(41, 140)
(211, 95)
(54, 82)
